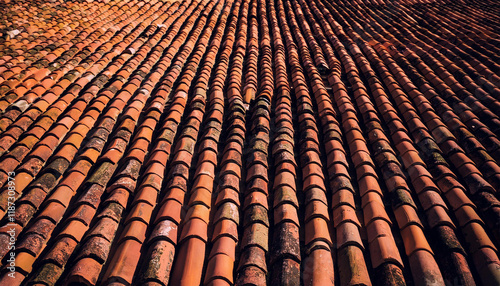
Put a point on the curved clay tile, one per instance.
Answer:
(249, 142)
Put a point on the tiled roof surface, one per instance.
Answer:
(250, 142)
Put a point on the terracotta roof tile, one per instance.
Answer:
(250, 142)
